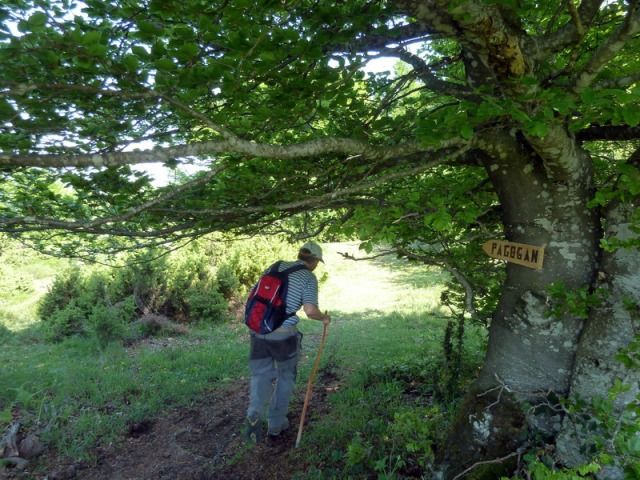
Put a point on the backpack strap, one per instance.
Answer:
(288, 271)
(294, 268)
(274, 268)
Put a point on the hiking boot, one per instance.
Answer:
(253, 431)
(274, 432)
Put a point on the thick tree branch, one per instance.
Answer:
(402, 35)
(575, 16)
(129, 214)
(426, 75)
(569, 34)
(559, 153)
(617, 132)
(609, 49)
(101, 226)
(21, 89)
(622, 82)
(489, 35)
(328, 199)
(311, 148)
(432, 15)
(15, 225)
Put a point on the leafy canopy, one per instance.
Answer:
(271, 100)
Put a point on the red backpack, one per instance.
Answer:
(266, 309)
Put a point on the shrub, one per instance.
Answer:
(193, 284)
(145, 277)
(228, 281)
(188, 273)
(66, 321)
(107, 324)
(248, 259)
(93, 292)
(207, 305)
(65, 288)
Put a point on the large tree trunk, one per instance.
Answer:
(531, 353)
(612, 326)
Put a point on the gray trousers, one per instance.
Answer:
(273, 362)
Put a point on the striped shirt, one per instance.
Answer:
(303, 288)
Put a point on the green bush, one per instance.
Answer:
(145, 277)
(248, 259)
(206, 303)
(187, 274)
(69, 320)
(228, 281)
(108, 324)
(93, 292)
(66, 287)
(193, 284)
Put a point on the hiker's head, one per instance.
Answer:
(310, 253)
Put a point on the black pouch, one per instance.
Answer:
(279, 350)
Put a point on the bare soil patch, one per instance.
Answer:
(201, 441)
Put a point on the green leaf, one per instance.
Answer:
(148, 29)
(38, 19)
(92, 37)
(52, 58)
(466, 131)
(268, 56)
(633, 444)
(158, 50)
(131, 62)
(588, 468)
(631, 114)
(6, 110)
(97, 50)
(140, 52)
(188, 51)
(538, 129)
(165, 64)
(440, 220)
(184, 33)
(488, 110)
(588, 96)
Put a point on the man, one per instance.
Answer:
(273, 358)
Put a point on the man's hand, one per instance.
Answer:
(314, 313)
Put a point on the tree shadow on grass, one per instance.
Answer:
(375, 316)
(409, 273)
(412, 274)
(33, 333)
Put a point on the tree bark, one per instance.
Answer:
(612, 326)
(530, 354)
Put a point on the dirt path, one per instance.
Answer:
(203, 441)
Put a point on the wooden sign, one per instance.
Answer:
(520, 253)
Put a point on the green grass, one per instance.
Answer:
(384, 284)
(24, 278)
(88, 395)
(385, 344)
(387, 330)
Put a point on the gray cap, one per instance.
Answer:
(314, 249)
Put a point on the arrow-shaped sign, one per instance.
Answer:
(520, 253)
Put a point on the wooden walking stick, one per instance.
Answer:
(307, 396)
